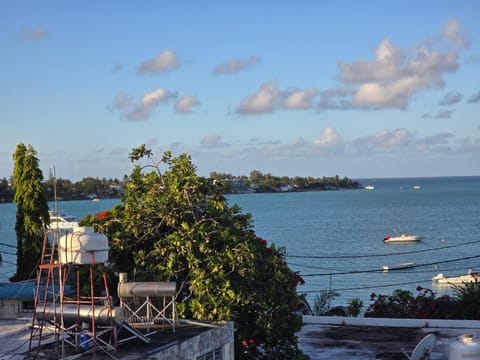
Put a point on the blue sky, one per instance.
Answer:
(361, 89)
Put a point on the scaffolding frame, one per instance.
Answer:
(91, 324)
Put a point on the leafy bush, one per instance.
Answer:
(468, 300)
(402, 304)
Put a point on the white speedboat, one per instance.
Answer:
(456, 280)
(406, 265)
(62, 221)
(369, 187)
(402, 237)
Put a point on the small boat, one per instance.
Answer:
(62, 221)
(406, 265)
(470, 277)
(417, 187)
(402, 237)
(369, 187)
(96, 199)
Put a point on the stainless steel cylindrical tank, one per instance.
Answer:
(83, 246)
(144, 289)
(103, 315)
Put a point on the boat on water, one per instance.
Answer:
(470, 277)
(402, 237)
(405, 265)
(62, 221)
(417, 187)
(369, 187)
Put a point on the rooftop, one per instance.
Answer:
(320, 338)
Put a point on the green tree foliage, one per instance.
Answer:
(403, 304)
(32, 211)
(178, 226)
(468, 300)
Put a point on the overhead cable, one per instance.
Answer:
(379, 255)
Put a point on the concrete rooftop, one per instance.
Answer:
(320, 338)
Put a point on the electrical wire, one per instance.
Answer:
(380, 255)
(372, 287)
(381, 270)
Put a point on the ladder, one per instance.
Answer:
(45, 291)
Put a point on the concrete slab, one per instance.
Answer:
(356, 338)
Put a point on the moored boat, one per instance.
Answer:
(369, 187)
(402, 237)
(405, 265)
(62, 221)
(470, 277)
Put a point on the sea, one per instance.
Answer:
(334, 239)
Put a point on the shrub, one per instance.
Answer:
(402, 304)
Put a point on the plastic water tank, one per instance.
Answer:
(466, 347)
(82, 247)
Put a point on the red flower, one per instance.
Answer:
(104, 215)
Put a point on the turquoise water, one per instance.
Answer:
(335, 238)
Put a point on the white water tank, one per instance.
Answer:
(465, 347)
(82, 247)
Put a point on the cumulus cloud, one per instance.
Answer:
(395, 75)
(165, 61)
(270, 98)
(141, 110)
(235, 65)
(185, 103)
(474, 98)
(451, 98)
(330, 141)
(262, 102)
(386, 141)
(35, 34)
(299, 99)
(155, 97)
(441, 114)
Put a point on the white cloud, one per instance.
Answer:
(392, 79)
(125, 104)
(453, 32)
(299, 99)
(330, 141)
(262, 102)
(384, 141)
(213, 141)
(185, 104)
(166, 60)
(235, 65)
(155, 97)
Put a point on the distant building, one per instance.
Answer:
(18, 298)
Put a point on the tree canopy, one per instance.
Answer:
(176, 225)
(32, 211)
